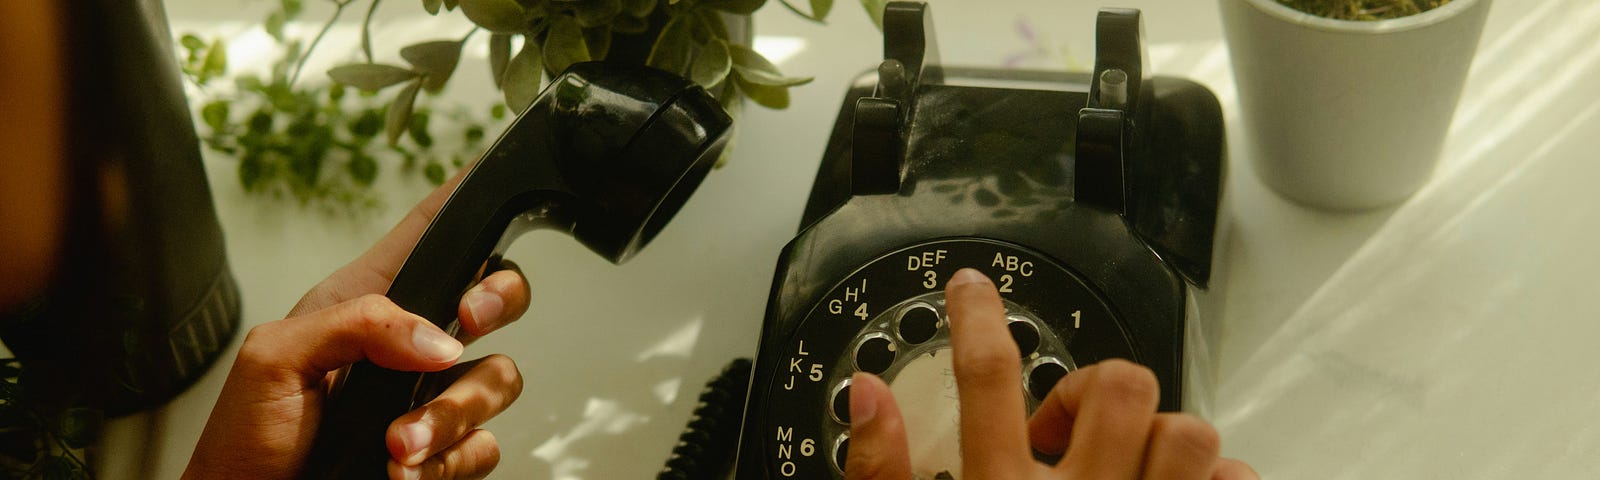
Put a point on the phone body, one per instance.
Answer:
(1091, 199)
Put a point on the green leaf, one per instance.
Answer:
(538, 11)
(712, 65)
(743, 7)
(699, 32)
(798, 11)
(280, 69)
(599, 41)
(432, 6)
(875, 10)
(435, 172)
(497, 111)
(419, 130)
(216, 62)
(754, 68)
(523, 77)
(673, 46)
(820, 8)
(638, 8)
(274, 25)
(499, 56)
(261, 122)
(251, 169)
(363, 169)
(249, 83)
(594, 13)
(366, 125)
(564, 45)
(712, 21)
(400, 111)
(499, 16)
(215, 114)
(436, 60)
(192, 42)
(451, 4)
(770, 96)
(371, 76)
(292, 8)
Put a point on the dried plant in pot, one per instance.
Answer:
(1347, 102)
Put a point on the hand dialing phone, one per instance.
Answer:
(1090, 199)
(607, 153)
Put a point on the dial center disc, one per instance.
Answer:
(926, 393)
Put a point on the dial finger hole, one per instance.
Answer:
(1025, 333)
(874, 353)
(841, 451)
(1042, 376)
(841, 402)
(918, 324)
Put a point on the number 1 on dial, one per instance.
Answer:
(1077, 318)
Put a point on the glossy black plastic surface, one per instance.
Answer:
(1001, 155)
(607, 152)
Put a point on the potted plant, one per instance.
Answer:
(1347, 102)
(298, 135)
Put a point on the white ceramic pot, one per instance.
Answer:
(1348, 115)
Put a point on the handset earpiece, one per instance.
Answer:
(607, 152)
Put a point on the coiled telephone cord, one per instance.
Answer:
(705, 449)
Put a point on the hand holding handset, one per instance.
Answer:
(607, 152)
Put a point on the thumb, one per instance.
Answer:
(877, 433)
(370, 327)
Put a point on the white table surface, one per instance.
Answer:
(1398, 306)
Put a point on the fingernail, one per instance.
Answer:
(968, 275)
(435, 344)
(863, 399)
(416, 437)
(411, 472)
(486, 307)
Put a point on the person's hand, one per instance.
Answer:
(1102, 416)
(267, 415)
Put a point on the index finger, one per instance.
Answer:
(988, 371)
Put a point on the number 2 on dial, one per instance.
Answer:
(1005, 283)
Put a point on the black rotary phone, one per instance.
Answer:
(1090, 199)
(607, 153)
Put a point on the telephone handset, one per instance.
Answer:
(607, 153)
(1091, 201)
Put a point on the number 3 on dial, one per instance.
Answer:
(930, 279)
